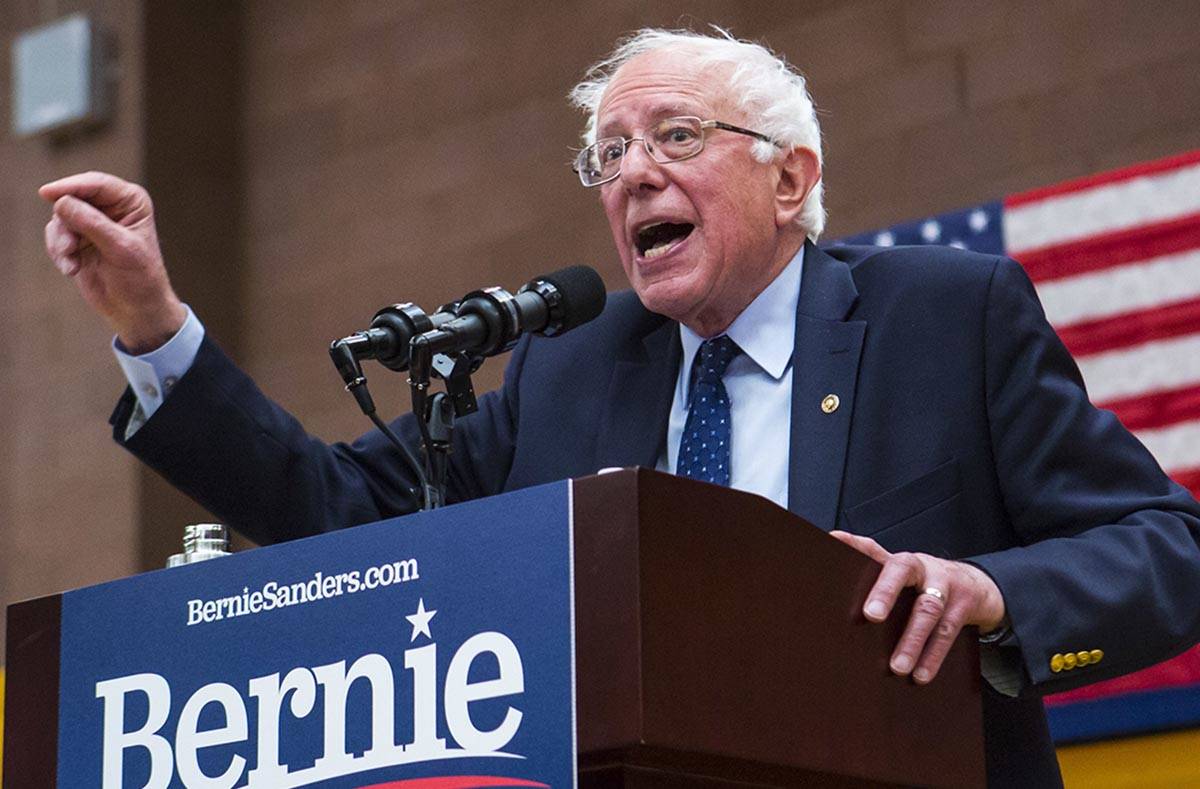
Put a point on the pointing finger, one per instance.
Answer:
(85, 220)
(100, 189)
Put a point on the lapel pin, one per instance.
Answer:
(830, 403)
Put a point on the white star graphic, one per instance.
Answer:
(420, 621)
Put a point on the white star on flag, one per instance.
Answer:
(420, 621)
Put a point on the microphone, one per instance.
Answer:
(485, 322)
(451, 343)
(388, 339)
(490, 321)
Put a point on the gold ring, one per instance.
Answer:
(933, 591)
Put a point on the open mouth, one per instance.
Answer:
(655, 240)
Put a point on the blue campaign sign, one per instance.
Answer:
(432, 651)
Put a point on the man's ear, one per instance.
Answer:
(799, 173)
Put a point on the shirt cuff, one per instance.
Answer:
(152, 375)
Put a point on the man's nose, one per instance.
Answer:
(639, 170)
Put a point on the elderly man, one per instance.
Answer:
(912, 401)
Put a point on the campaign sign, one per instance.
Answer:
(431, 651)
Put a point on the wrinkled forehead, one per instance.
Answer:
(661, 84)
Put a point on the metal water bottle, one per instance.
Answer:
(201, 541)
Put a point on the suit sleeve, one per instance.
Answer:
(1108, 554)
(220, 440)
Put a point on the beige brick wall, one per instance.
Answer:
(390, 150)
(67, 502)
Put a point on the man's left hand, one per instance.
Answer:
(951, 595)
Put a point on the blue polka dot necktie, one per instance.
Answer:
(704, 448)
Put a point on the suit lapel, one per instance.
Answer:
(824, 362)
(634, 424)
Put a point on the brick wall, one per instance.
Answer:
(390, 150)
(414, 150)
(67, 501)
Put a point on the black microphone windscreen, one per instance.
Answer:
(582, 293)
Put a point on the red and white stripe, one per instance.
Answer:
(1116, 261)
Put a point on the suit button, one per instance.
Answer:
(1083, 657)
(1097, 655)
(830, 403)
(1070, 661)
(1056, 663)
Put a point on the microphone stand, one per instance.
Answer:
(436, 415)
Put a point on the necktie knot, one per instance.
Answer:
(714, 357)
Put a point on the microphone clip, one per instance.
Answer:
(456, 371)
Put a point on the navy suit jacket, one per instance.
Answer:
(964, 431)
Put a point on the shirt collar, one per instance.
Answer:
(766, 329)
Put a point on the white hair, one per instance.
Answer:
(762, 84)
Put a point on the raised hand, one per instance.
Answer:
(102, 235)
(951, 595)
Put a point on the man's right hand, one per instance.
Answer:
(102, 235)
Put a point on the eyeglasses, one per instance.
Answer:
(670, 140)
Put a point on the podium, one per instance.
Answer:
(717, 641)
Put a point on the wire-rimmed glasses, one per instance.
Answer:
(669, 140)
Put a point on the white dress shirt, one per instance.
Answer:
(759, 384)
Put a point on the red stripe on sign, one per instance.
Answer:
(1176, 672)
(456, 782)
(1159, 409)
(1107, 250)
(1100, 179)
(1132, 328)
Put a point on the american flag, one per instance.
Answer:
(1115, 258)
